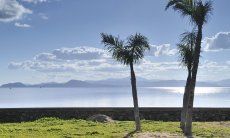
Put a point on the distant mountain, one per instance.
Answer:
(12, 85)
(76, 83)
(142, 82)
(124, 82)
(224, 83)
(71, 83)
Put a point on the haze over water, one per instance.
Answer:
(111, 97)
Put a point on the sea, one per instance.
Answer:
(110, 97)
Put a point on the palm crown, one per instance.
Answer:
(130, 52)
(186, 48)
(196, 9)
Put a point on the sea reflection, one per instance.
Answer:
(111, 97)
(198, 90)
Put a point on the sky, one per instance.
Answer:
(59, 40)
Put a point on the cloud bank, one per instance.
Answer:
(221, 41)
(17, 24)
(90, 63)
(11, 10)
(35, 1)
(77, 53)
(85, 61)
(162, 50)
(43, 16)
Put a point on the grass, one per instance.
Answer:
(54, 127)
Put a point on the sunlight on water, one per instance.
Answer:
(111, 97)
(198, 90)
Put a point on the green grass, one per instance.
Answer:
(53, 127)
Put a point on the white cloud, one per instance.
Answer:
(209, 64)
(17, 24)
(45, 57)
(35, 1)
(89, 63)
(73, 59)
(14, 65)
(41, 66)
(11, 10)
(213, 71)
(80, 53)
(162, 50)
(214, 66)
(43, 16)
(69, 54)
(86, 62)
(218, 42)
(39, 1)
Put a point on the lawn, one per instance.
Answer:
(53, 127)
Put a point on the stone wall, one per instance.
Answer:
(163, 114)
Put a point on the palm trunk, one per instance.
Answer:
(185, 102)
(188, 130)
(135, 99)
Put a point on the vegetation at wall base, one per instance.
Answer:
(54, 127)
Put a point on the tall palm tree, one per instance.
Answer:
(198, 13)
(186, 49)
(128, 53)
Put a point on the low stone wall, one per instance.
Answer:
(163, 114)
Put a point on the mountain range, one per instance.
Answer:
(124, 82)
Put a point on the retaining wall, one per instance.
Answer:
(163, 114)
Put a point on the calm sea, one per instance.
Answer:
(111, 97)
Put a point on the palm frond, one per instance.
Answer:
(185, 7)
(171, 3)
(137, 44)
(114, 46)
(202, 12)
(185, 55)
(197, 11)
(189, 38)
(132, 52)
(186, 48)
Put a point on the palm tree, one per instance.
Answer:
(198, 13)
(186, 52)
(128, 53)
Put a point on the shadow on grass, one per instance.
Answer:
(130, 134)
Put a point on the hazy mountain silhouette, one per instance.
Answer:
(123, 82)
(12, 85)
(142, 82)
(224, 83)
(71, 83)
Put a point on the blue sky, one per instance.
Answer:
(58, 40)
